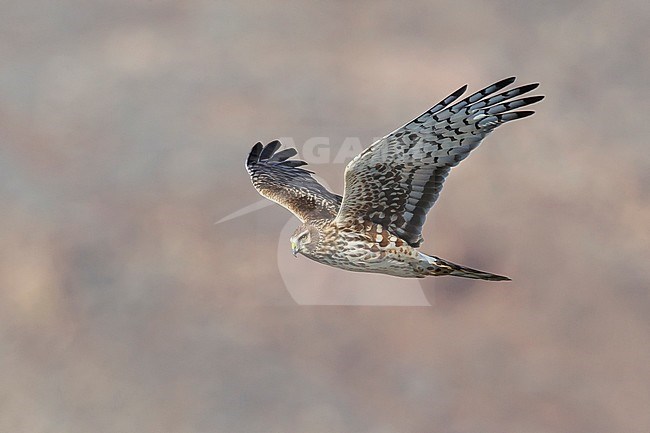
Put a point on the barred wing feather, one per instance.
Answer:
(396, 180)
(283, 181)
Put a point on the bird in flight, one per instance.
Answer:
(376, 226)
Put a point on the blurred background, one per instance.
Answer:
(123, 307)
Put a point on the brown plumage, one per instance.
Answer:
(389, 187)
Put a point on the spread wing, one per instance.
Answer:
(396, 180)
(283, 181)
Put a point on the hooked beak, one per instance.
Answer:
(294, 248)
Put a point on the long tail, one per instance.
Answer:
(438, 266)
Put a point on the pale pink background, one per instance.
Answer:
(123, 308)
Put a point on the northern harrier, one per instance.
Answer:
(389, 187)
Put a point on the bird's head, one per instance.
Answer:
(304, 239)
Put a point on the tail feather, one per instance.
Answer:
(438, 266)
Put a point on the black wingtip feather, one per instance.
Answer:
(283, 155)
(514, 115)
(501, 84)
(267, 154)
(254, 155)
(535, 98)
(294, 163)
(270, 149)
(528, 87)
(445, 102)
(492, 88)
(484, 93)
(462, 89)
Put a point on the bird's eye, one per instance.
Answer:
(304, 237)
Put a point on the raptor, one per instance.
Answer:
(376, 226)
